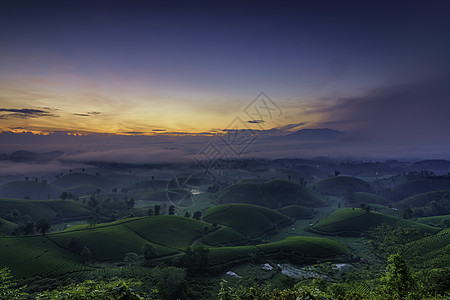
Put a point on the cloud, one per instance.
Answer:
(415, 112)
(88, 114)
(256, 121)
(25, 113)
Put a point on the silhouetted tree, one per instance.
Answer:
(187, 214)
(337, 173)
(150, 212)
(197, 215)
(148, 251)
(43, 225)
(92, 220)
(171, 210)
(157, 210)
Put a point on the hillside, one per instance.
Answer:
(340, 185)
(76, 179)
(297, 211)
(431, 251)
(419, 186)
(298, 249)
(353, 222)
(249, 220)
(37, 209)
(272, 194)
(31, 189)
(442, 198)
(367, 198)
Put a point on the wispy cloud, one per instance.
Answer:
(25, 113)
(88, 114)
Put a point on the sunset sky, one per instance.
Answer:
(372, 68)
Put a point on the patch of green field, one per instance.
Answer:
(31, 189)
(111, 241)
(297, 211)
(224, 236)
(431, 251)
(171, 231)
(424, 199)
(272, 194)
(37, 209)
(84, 189)
(300, 247)
(434, 221)
(340, 185)
(37, 255)
(249, 220)
(7, 227)
(419, 186)
(356, 221)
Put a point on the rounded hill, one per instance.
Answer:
(353, 222)
(31, 189)
(272, 194)
(77, 179)
(340, 185)
(249, 220)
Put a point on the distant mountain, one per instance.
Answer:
(313, 134)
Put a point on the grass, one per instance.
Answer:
(225, 236)
(353, 222)
(297, 211)
(31, 189)
(37, 209)
(434, 221)
(340, 185)
(419, 186)
(304, 248)
(37, 255)
(249, 220)
(423, 199)
(272, 194)
(430, 252)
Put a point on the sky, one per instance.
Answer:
(377, 70)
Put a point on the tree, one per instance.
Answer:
(43, 225)
(195, 260)
(92, 220)
(157, 210)
(197, 215)
(337, 173)
(63, 196)
(86, 253)
(150, 212)
(171, 210)
(95, 290)
(148, 251)
(398, 280)
(187, 214)
(365, 207)
(132, 258)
